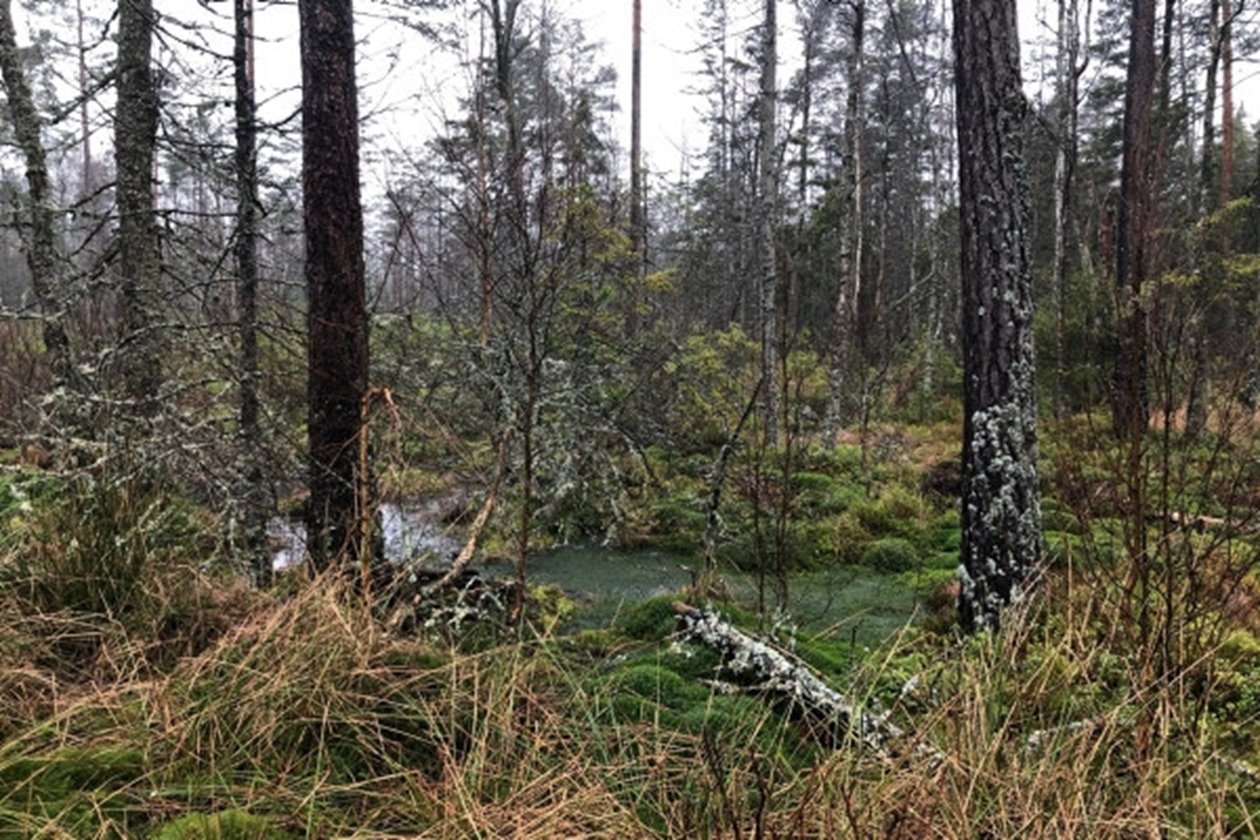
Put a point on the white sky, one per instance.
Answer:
(407, 84)
(423, 84)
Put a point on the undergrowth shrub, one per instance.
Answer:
(891, 554)
(96, 546)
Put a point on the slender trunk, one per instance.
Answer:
(1208, 180)
(1131, 410)
(503, 21)
(637, 234)
(135, 132)
(246, 253)
(1227, 105)
(1064, 168)
(85, 189)
(1212, 191)
(1133, 229)
(769, 187)
(845, 314)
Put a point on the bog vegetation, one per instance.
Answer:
(754, 391)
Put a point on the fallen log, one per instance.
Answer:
(768, 671)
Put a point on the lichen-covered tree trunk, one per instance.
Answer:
(139, 254)
(769, 190)
(337, 326)
(1001, 518)
(41, 254)
(246, 252)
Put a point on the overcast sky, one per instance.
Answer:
(415, 84)
(409, 87)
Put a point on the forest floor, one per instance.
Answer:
(144, 695)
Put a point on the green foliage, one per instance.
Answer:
(1237, 704)
(897, 512)
(851, 537)
(714, 375)
(891, 554)
(820, 494)
(677, 521)
(927, 580)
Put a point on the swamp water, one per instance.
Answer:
(411, 535)
(847, 602)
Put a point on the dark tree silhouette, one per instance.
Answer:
(337, 327)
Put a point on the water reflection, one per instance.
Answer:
(411, 536)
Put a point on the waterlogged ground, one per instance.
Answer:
(850, 602)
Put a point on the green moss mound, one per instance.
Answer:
(225, 825)
(891, 554)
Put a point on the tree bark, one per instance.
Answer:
(1001, 517)
(763, 669)
(1227, 104)
(135, 133)
(41, 251)
(845, 314)
(769, 189)
(88, 185)
(1132, 241)
(253, 491)
(1068, 73)
(637, 234)
(337, 325)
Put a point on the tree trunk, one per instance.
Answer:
(845, 315)
(637, 233)
(1068, 75)
(1001, 517)
(135, 132)
(337, 326)
(86, 188)
(253, 491)
(1132, 240)
(41, 253)
(769, 188)
(1227, 104)
(1212, 189)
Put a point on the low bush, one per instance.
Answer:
(892, 554)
